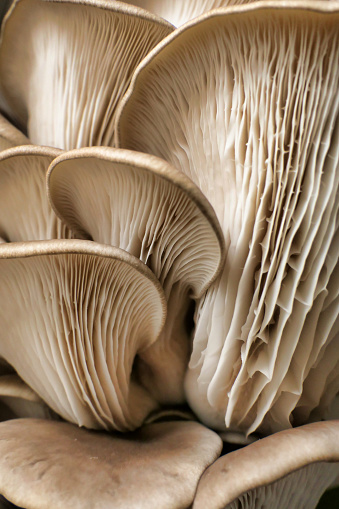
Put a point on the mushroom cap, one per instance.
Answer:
(25, 212)
(9, 135)
(64, 105)
(75, 316)
(288, 470)
(143, 205)
(52, 464)
(244, 100)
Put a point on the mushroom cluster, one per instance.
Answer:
(169, 253)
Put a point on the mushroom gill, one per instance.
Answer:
(65, 64)
(25, 212)
(75, 315)
(244, 101)
(143, 205)
(179, 12)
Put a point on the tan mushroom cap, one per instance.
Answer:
(75, 315)
(145, 206)
(244, 100)
(179, 12)
(288, 470)
(92, 48)
(9, 135)
(25, 212)
(45, 464)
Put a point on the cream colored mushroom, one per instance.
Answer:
(146, 207)
(244, 101)
(25, 212)
(65, 64)
(52, 464)
(288, 470)
(75, 315)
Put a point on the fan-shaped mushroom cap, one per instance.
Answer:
(92, 48)
(288, 470)
(9, 135)
(244, 101)
(145, 206)
(75, 314)
(25, 212)
(180, 11)
(20, 398)
(51, 464)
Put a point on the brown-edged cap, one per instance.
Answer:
(145, 206)
(75, 315)
(65, 64)
(46, 464)
(288, 470)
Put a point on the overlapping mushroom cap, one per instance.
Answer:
(25, 212)
(106, 385)
(75, 315)
(145, 206)
(245, 102)
(288, 470)
(65, 64)
(49, 464)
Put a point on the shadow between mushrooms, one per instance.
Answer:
(9, 135)
(75, 315)
(244, 100)
(17, 399)
(92, 48)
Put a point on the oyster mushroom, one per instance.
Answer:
(244, 100)
(288, 470)
(25, 212)
(75, 315)
(145, 206)
(92, 48)
(52, 464)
